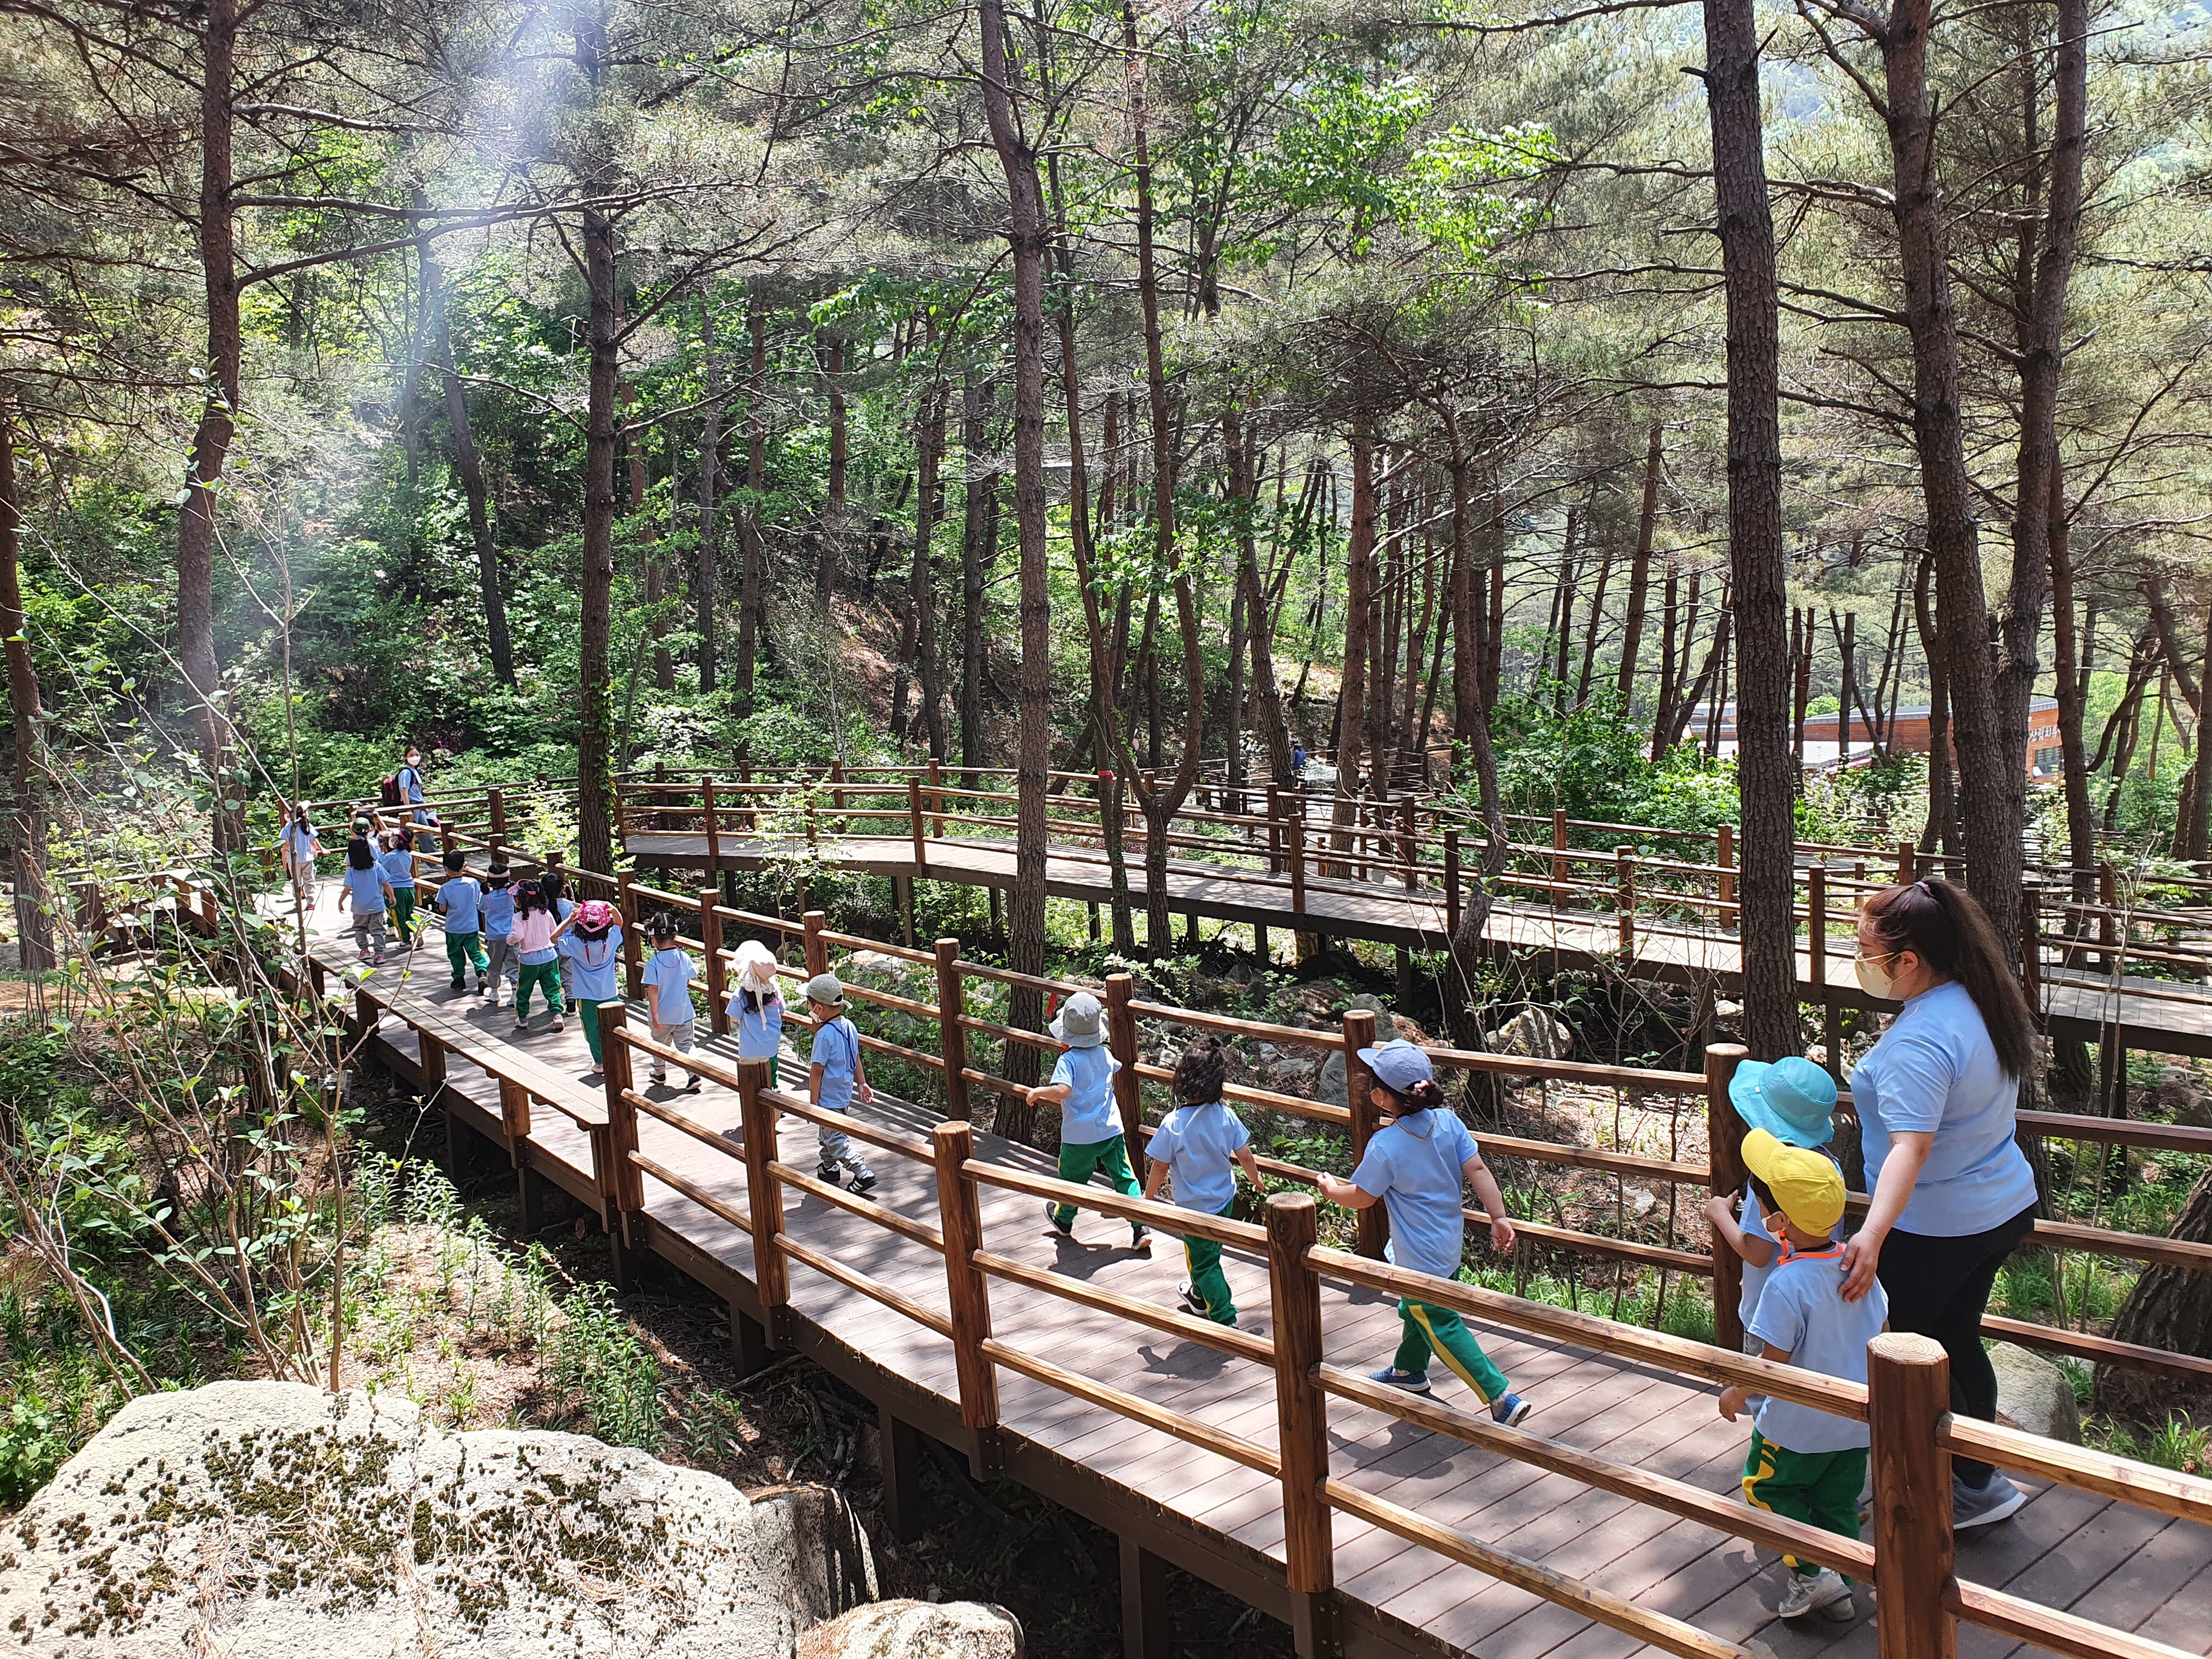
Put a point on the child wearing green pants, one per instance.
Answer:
(593, 947)
(398, 864)
(1091, 1137)
(460, 900)
(1196, 1147)
(535, 937)
(1415, 1166)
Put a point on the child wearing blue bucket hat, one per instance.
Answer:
(1794, 1101)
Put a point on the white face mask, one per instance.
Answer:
(1875, 980)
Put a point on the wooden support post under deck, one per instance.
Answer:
(1144, 1602)
(1624, 903)
(430, 1062)
(1909, 1389)
(1724, 1152)
(952, 1035)
(968, 1295)
(901, 1444)
(1302, 1423)
(1366, 1121)
(764, 1199)
(750, 1338)
(1295, 845)
(818, 948)
(717, 970)
(936, 800)
(1451, 881)
(913, 826)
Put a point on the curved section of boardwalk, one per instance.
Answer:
(2130, 1568)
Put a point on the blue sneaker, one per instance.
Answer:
(1391, 1376)
(1509, 1409)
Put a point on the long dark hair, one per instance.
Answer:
(1424, 1096)
(1944, 927)
(359, 855)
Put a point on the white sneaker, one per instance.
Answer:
(1824, 1592)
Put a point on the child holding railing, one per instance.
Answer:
(1415, 1166)
(756, 1007)
(1804, 1463)
(1196, 1147)
(1794, 1101)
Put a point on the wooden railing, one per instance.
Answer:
(1905, 1400)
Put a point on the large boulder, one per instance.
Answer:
(270, 1520)
(2034, 1394)
(917, 1630)
(813, 1552)
(1532, 1034)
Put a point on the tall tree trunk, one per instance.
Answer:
(1943, 829)
(468, 461)
(1161, 804)
(979, 519)
(831, 563)
(218, 427)
(929, 513)
(1566, 623)
(1639, 572)
(1662, 712)
(1596, 625)
(1988, 818)
(753, 584)
(2071, 685)
(1467, 662)
(1847, 681)
(1358, 596)
(1767, 918)
(2047, 246)
(1028, 234)
(595, 849)
(710, 483)
(1266, 696)
(25, 828)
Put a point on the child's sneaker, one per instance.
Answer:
(660, 1079)
(690, 1083)
(559, 1025)
(458, 988)
(1188, 1298)
(522, 1022)
(1823, 1592)
(377, 959)
(1509, 1409)
(1391, 1376)
(1140, 1238)
(1994, 1500)
(863, 1182)
(1065, 1228)
(829, 1172)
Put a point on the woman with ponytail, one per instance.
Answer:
(1937, 1099)
(1414, 1167)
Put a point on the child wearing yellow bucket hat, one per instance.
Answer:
(1806, 1464)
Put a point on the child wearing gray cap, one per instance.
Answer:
(835, 1075)
(1090, 1138)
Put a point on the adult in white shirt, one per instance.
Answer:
(1953, 1195)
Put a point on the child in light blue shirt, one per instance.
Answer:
(1806, 1464)
(755, 1008)
(668, 998)
(461, 902)
(1197, 1146)
(496, 920)
(836, 1074)
(398, 862)
(1415, 1167)
(1082, 1086)
(369, 895)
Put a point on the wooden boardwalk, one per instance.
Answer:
(2157, 1016)
(2123, 1565)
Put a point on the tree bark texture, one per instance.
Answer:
(753, 583)
(1759, 575)
(1639, 570)
(710, 483)
(25, 829)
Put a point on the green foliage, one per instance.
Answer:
(1591, 761)
(33, 1444)
(598, 1353)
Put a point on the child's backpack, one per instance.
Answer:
(387, 792)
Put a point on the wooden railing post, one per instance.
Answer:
(708, 822)
(968, 1297)
(1122, 1043)
(1624, 903)
(632, 946)
(1724, 853)
(1908, 1391)
(1359, 1096)
(1451, 881)
(2108, 926)
(1302, 1423)
(496, 803)
(936, 800)
(837, 787)
(1295, 844)
(914, 825)
(1908, 861)
(718, 972)
(1725, 1176)
(2031, 943)
(952, 1035)
(625, 1183)
(764, 1201)
(1558, 846)
(818, 948)
(1275, 830)
(515, 1117)
(1408, 843)
(1816, 963)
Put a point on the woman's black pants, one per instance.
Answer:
(1939, 1287)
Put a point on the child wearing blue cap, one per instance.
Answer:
(1794, 1101)
(1415, 1167)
